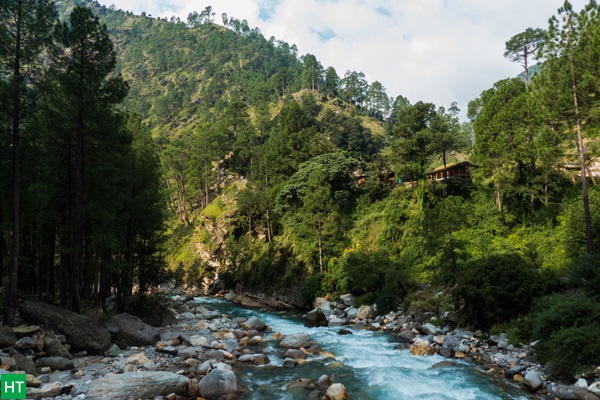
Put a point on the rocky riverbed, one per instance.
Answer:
(426, 333)
(67, 356)
(198, 351)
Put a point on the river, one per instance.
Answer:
(372, 369)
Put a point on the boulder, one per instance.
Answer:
(429, 329)
(366, 312)
(82, 332)
(289, 363)
(421, 347)
(351, 313)
(337, 391)
(324, 382)
(7, 336)
(137, 385)
(55, 363)
(255, 324)
(159, 315)
(295, 341)
(129, 330)
(255, 359)
(314, 318)
(22, 362)
(532, 381)
(47, 391)
(217, 383)
(405, 336)
(337, 322)
(25, 343)
(53, 346)
(347, 299)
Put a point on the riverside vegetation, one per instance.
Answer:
(136, 150)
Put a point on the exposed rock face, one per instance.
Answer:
(217, 383)
(137, 385)
(314, 318)
(82, 333)
(127, 329)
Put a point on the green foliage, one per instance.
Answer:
(585, 274)
(496, 288)
(312, 288)
(567, 325)
(373, 276)
(148, 307)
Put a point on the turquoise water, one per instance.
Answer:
(372, 368)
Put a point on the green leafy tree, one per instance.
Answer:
(569, 82)
(88, 96)
(378, 101)
(412, 148)
(312, 73)
(25, 38)
(524, 46)
(331, 85)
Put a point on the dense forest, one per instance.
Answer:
(135, 150)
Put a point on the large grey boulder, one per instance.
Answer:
(217, 383)
(137, 385)
(129, 330)
(314, 318)
(82, 332)
(295, 341)
(532, 381)
(254, 323)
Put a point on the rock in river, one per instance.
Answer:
(137, 385)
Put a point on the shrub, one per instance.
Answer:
(496, 288)
(374, 276)
(585, 274)
(311, 288)
(568, 328)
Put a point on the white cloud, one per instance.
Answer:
(432, 50)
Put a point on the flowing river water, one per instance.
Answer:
(372, 369)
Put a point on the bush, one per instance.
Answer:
(585, 274)
(496, 288)
(150, 308)
(374, 276)
(311, 288)
(568, 328)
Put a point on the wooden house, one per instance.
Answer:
(457, 170)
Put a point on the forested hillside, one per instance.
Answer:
(195, 149)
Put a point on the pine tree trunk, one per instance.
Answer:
(13, 272)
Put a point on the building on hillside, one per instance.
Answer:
(457, 170)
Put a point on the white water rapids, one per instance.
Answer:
(372, 369)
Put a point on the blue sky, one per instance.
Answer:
(431, 50)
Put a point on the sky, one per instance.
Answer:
(436, 51)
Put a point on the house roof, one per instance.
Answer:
(448, 166)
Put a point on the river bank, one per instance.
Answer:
(224, 353)
(428, 332)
